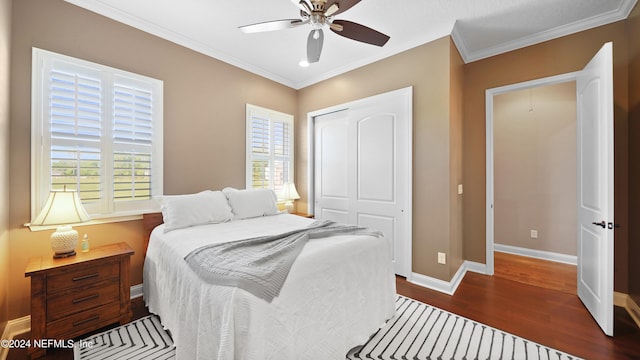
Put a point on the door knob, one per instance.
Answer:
(602, 223)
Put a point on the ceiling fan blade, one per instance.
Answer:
(314, 45)
(343, 5)
(271, 25)
(359, 32)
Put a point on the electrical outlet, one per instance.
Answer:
(534, 234)
(459, 189)
(442, 258)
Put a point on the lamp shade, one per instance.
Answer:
(289, 192)
(62, 207)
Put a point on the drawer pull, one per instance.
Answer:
(80, 278)
(93, 318)
(75, 301)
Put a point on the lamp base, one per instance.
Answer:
(64, 241)
(288, 205)
(64, 255)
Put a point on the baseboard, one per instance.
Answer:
(14, 328)
(22, 325)
(620, 299)
(539, 254)
(625, 301)
(633, 309)
(447, 287)
(136, 291)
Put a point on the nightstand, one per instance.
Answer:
(310, 216)
(76, 295)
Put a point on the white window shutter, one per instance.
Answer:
(74, 103)
(132, 140)
(281, 153)
(269, 148)
(97, 130)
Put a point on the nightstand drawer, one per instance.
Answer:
(79, 277)
(69, 303)
(78, 324)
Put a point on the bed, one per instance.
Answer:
(339, 290)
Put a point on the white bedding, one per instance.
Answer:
(339, 292)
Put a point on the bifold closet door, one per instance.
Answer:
(362, 161)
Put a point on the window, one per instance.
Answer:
(269, 148)
(96, 130)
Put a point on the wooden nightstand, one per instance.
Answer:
(310, 216)
(79, 294)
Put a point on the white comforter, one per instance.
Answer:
(339, 292)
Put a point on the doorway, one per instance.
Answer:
(535, 172)
(491, 94)
(594, 140)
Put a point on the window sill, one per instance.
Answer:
(103, 220)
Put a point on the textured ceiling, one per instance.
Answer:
(480, 28)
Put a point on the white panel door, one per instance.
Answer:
(595, 187)
(331, 167)
(371, 141)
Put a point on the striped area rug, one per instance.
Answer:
(141, 339)
(418, 331)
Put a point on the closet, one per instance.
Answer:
(362, 167)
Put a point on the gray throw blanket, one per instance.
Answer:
(260, 265)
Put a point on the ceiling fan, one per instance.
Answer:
(320, 13)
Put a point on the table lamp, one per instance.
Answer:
(63, 208)
(288, 194)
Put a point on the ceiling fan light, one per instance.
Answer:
(336, 27)
(303, 5)
(303, 63)
(332, 9)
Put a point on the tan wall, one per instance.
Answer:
(634, 153)
(427, 69)
(455, 256)
(204, 107)
(563, 55)
(5, 51)
(535, 168)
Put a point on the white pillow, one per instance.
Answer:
(227, 190)
(206, 207)
(252, 203)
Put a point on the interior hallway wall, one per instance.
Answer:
(535, 168)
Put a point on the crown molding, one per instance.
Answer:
(621, 13)
(101, 8)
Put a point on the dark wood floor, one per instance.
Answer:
(531, 271)
(529, 298)
(516, 299)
